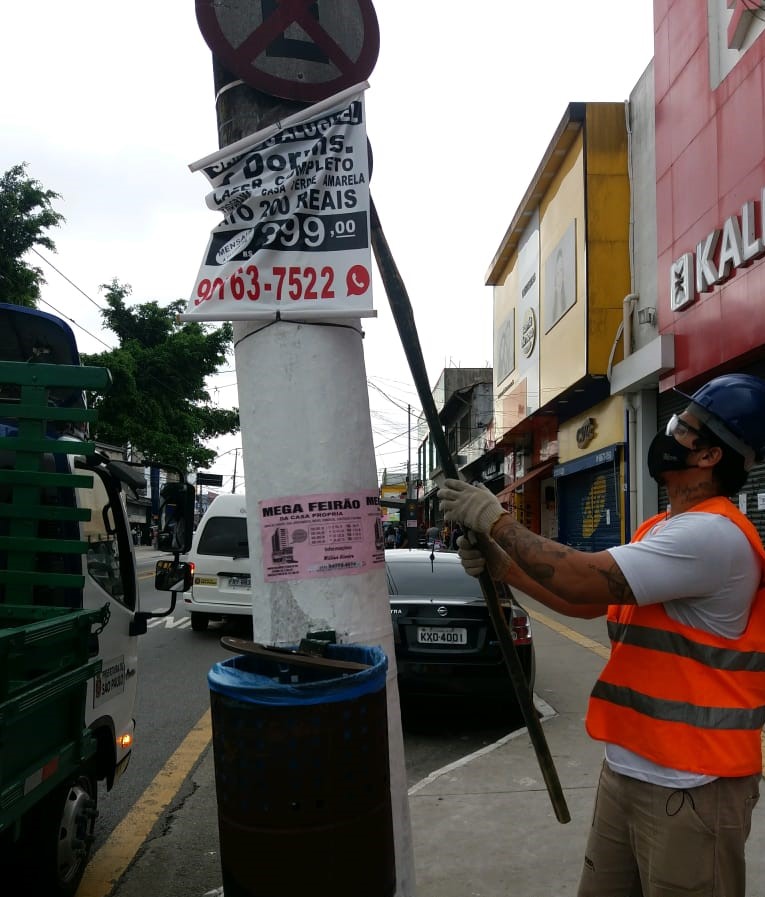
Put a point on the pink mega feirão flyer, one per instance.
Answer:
(331, 534)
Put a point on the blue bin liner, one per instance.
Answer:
(259, 680)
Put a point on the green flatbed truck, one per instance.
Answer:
(70, 613)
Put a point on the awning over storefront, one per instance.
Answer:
(539, 471)
(593, 459)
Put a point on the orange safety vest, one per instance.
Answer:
(679, 696)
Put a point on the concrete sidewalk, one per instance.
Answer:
(487, 828)
(482, 827)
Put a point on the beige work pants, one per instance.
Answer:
(649, 841)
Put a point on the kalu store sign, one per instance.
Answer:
(718, 255)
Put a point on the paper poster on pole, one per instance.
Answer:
(294, 241)
(310, 536)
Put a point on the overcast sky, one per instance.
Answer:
(109, 103)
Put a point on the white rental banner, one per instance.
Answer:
(294, 241)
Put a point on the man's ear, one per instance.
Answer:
(710, 456)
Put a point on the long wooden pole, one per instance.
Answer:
(404, 318)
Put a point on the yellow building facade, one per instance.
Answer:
(560, 277)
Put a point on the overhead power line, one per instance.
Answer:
(61, 274)
(385, 395)
(72, 321)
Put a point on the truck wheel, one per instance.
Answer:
(62, 829)
(199, 621)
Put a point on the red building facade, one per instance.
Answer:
(709, 82)
(709, 78)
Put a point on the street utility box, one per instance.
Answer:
(302, 774)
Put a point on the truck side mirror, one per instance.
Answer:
(169, 576)
(172, 576)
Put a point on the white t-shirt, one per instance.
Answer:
(702, 567)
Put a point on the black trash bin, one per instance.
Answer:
(302, 777)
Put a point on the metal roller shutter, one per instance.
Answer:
(754, 486)
(588, 509)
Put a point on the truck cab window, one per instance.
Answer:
(108, 558)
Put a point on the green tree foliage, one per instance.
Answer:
(158, 402)
(26, 212)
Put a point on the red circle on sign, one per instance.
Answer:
(285, 49)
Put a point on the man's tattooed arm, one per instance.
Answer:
(618, 587)
(578, 577)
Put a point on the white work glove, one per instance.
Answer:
(472, 559)
(475, 507)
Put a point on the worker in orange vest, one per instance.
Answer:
(680, 703)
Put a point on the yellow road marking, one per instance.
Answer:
(571, 634)
(113, 858)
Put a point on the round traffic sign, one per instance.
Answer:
(303, 50)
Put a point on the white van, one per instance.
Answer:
(220, 553)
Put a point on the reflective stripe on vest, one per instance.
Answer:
(674, 643)
(677, 712)
(679, 696)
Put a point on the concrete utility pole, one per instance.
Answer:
(306, 430)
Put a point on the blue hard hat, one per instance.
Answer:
(733, 408)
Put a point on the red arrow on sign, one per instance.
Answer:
(337, 47)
